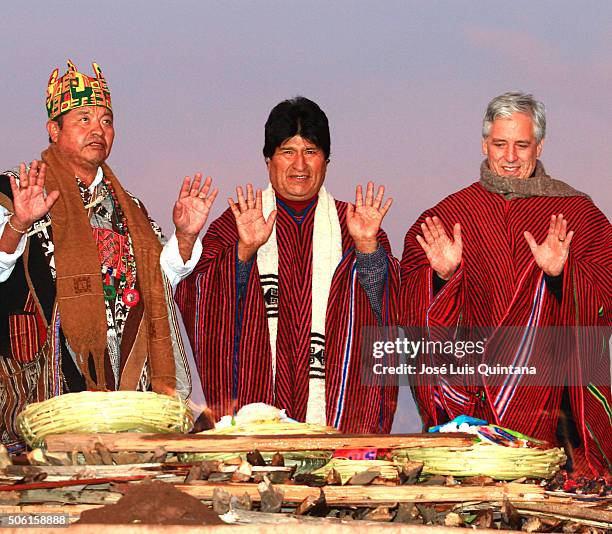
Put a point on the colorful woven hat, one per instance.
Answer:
(75, 89)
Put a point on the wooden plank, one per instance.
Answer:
(201, 443)
(100, 471)
(244, 517)
(66, 483)
(341, 527)
(568, 511)
(61, 472)
(377, 495)
(68, 498)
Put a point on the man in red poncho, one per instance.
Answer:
(529, 258)
(288, 280)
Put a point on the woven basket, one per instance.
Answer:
(501, 463)
(103, 411)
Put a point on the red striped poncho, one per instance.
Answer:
(498, 284)
(208, 303)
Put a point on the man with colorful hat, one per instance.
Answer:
(85, 283)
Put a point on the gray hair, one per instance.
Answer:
(514, 102)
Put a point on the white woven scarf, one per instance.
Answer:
(326, 255)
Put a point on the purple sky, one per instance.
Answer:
(404, 85)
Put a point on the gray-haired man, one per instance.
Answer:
(515, 253)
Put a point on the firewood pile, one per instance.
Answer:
(116, 478)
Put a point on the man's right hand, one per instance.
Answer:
(443, 253)
(253, 229)
(29, 201)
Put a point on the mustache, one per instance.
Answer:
(97, 141)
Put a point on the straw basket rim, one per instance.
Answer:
(499, 462)
(103, 411)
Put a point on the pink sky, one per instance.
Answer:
(404, 85)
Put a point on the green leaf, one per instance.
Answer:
(468, 519)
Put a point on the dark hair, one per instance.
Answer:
(60, 123)
(297, 116)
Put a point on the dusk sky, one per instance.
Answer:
(404, 85)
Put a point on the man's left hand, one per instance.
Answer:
(365, 217)
(191, 212)
(552, 254)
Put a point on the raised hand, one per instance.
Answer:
(363, 220)
(193, 206)
(443, 253)
(29, 201)
(253, 229)
(191, 212)
(552, 254)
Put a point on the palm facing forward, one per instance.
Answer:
(29, 201)
(364, 219)
(253, 229)
(193, 206)
(443, 253)
(552, 254)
